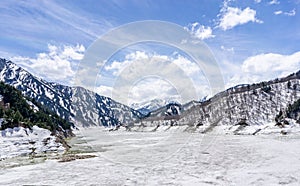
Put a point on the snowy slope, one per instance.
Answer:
(23, 141)
(77, 104)
(170, 109)
(256, 104)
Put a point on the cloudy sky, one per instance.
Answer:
(252, 40)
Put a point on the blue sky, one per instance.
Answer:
(252, 40)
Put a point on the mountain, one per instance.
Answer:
(256, 104)
(148, 106)
(17, 110)
(292, 112)
(170, 109)
(82, 106)
(29, 128)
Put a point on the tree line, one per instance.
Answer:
(16, 111)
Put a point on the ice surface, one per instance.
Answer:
(170, 158)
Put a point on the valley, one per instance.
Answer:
(168, 93)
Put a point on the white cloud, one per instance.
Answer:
(227, 49)
(103, 90)
(266, 63)
(45, 21)
(75, 53)
(145, 89)
(117, 67)
(264, 67)
(183, 63)
(257, 1)
(200, 31)
(186, 65)
(232, 16)
(278, 12)
(290, 13)
(274, 2)
(172, 73)
(153, 88)
(55, 65)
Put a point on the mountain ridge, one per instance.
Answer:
(255, 104)
(76, 104)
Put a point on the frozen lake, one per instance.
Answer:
(168, 158)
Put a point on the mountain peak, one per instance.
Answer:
(146, 107)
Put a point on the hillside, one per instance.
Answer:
(17, 110)
(248, 105)
(76, 104)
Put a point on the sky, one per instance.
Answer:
(251, 40)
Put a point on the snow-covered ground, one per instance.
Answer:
(23, 141)
(169, 158)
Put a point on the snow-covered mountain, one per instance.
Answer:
(255, 104)
(247, 105)
(76, 104)
(170, 109)
(148, 106)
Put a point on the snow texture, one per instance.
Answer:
(170, 158)
(21, 141)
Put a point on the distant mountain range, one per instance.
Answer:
(149, 106)
(83, 107)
